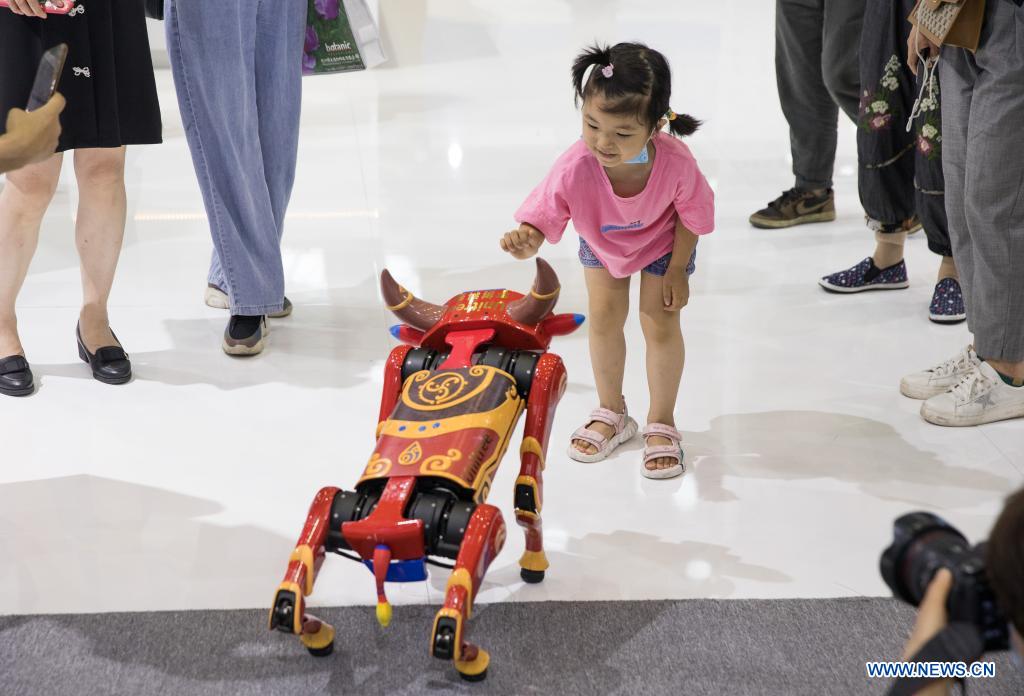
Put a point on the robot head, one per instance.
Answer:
(519, 321)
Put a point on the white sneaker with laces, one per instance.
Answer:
(980, 397)
(941, 378)
(218, 299)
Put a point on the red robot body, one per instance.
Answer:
(451, 400)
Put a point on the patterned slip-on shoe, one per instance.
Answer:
(947, 305)
(867, 276)
(796, 207)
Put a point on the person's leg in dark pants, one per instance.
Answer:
(840, 53)
(809, 108)
(884, 148)
(895, 163)
(816, 44)
(947, 304)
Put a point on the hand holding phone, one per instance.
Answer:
(47, 76)
(34, 8)
(31, 137)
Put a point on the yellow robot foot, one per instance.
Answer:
(321, 642)
(474, 670)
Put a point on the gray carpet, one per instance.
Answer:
(736, 647)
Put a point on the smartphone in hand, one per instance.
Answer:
(47, 76)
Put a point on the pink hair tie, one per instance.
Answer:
(608, 70)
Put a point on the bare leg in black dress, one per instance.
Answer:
(99, 233)
(23, 203)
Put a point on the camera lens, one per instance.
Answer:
(922, 543)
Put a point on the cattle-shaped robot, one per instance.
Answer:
(452, 398)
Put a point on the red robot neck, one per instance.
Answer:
(464, 344)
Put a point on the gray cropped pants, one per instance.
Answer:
(983, 164)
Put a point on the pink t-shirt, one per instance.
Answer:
(626, 234)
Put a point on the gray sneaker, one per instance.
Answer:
(218, 299)
(245, 335)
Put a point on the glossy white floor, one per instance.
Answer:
(186, 488)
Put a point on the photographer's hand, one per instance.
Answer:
(931, 618)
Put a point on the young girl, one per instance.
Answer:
(638, 201)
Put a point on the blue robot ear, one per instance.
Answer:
(396, 330)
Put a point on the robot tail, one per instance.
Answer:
(381, 562)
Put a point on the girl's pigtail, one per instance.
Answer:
(592, 55)
(683, 125)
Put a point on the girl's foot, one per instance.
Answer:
(661, 462)
(605, 431)
(663, 454)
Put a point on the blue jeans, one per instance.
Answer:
(237, 68)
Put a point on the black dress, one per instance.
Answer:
(108, 76)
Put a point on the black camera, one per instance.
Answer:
(922, 544)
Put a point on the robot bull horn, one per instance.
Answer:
(529, 309)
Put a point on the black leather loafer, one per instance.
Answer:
(109, 364)
(15, 376)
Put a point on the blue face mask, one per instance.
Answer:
(643, 157)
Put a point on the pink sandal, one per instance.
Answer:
(652, 452)
(625, 429)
